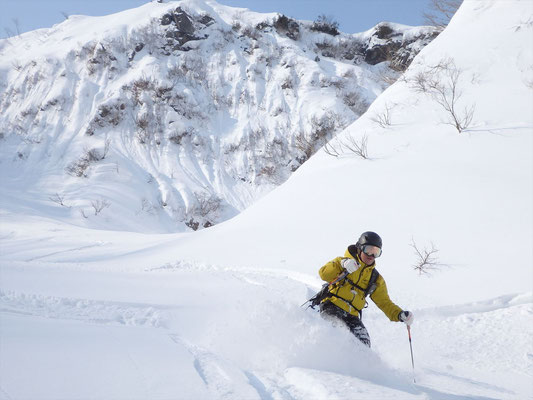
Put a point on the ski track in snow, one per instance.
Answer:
(222, 378)
(101, 312)
(497, 303)
(67, 251)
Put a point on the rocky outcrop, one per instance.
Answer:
(395, 46)
(182, 28)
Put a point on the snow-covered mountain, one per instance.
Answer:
(184, 113)
(441, 161)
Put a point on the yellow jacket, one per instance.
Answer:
(351, 298)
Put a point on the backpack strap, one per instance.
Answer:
(372, 283)
(371, 287)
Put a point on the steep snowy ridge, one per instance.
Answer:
(216, 313)
(183, 113)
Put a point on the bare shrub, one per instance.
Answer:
(183, 106)
(236, 25)
(442, 83)
(287, 83)
(447, 95)
(349, 74)
(206, 205)
(142, 123)
(304, 145)
(333, 148)
(193, 67)
(441, 12)
(420, 82)
(148, 207)
(93, 155)
(107, 145)
(355, 102)
(426, 259)
(325, 82)
(324, 126)
(339, 84)
(251, 32)
(109, 114)
(359, 147)
(163, 92)
(149, 36)
(79, 167)
(16, 65)
(322, 129)
(15, 31)
(383, 118)
(99, 205)
(141, 86)
(388, 77)
(287, 26)
(175, 73)
(177, 137)
(59, 199)
(101, 56)
(325, 24)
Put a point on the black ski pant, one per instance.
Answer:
(354, 324)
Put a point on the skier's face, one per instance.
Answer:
(368, 260)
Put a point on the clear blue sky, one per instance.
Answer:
(352, 15)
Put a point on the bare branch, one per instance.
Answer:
(357, 147)
(441, 12)
(442, 83)
(99, 205)
(59, 199)
(426, 259)
(337, 147)
(333, 149)
(383, 119)
(16, 23)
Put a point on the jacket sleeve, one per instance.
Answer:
(331, 270)
(382, 300)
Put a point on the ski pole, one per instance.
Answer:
(411, 347)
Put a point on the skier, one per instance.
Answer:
(346, 298)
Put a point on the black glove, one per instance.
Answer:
(407, 317)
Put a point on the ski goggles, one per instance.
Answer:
(371, 251)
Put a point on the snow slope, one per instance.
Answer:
(216, 314)
(176, 116)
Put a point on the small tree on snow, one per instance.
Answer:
(426, 259)
(447, 93)
(338, 147)
(59, 199)
(383, 118)
(442, 83)
(99, 205)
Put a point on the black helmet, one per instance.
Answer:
(371, 238)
